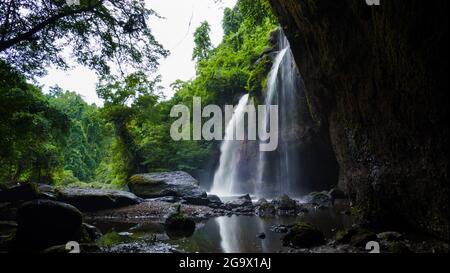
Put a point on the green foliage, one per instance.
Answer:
(89, 136)
(203, 45)
(128, 105)
(232, 20)
(32, 131)
(98, 32)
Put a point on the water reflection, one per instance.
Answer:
(235, 234)
(239, 234)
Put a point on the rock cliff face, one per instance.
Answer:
(376, 77)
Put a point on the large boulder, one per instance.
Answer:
(23, 192)
(319, 199)
(46, 223)
(362, 237)
(179, 184)
(96, 199)
(284, 205)
(303, 235)
(240, 202)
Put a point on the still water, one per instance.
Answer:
(234, 234)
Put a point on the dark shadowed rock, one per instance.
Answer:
(362, 237)
(214, 201)
(284, 203)
(345, 236)
(319, 199)
(261, 235)
(336, 193)
(23, 192)
(96, 199)
(279, 228)
(261, 201)
(266, 209)
(303, 235)
(240, 202)
(397, 247)
(94, 232)
(45, 223)
(179, 184)
(178, 225)
(390, 236)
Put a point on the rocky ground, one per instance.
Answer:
(40, 218)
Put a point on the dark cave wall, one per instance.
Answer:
(376, 77)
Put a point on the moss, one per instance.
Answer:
(303, 235)
(84, 235)
(141, 180)
(344, 236)
(257, 80)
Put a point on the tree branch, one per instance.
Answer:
(28, 35)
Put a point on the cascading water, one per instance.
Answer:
(275, 172)
(283, 86)
(226, 177)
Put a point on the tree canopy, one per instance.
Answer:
(202, 42)
(99, 33)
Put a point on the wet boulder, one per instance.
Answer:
(46, 223)
(345, 236)
(362, 237)
(319, 199)
(240, 202)
(265, 209)
(303, 235)
(261, 236)
(96, 199)
(178, 184)
(93, 232)
(214, 201)
(23, 192)
(336, 193)
(390, 236)
(284, 205)
(261, 201)
(178, 225)
(279, 228)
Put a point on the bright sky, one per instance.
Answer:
(175, 33)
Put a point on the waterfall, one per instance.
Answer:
(276, 172)
(226, 177)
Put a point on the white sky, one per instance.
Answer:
(173, 32)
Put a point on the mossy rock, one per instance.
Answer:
(303, 235)
(266, 209)
(96, 199)
(178, 184)
(362, 237)
(284, 203)
(178, 225)
(142, 180)
(398, 248)
(345, 236)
